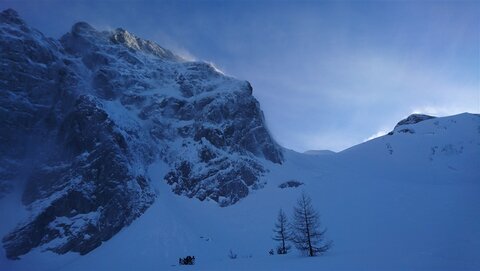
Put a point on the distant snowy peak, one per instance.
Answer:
(429, 125)
(426, 124)
(412, 119)
(426, 139)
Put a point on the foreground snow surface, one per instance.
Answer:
(407, 201)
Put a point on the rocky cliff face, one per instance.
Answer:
(83, 117)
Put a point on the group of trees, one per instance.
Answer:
(305, 231)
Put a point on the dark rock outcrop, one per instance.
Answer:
(412, 119)
(290, 184)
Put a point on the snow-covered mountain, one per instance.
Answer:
(116, 148)
(84, 116)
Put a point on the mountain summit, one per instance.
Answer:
(82, 118)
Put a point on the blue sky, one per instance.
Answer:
(328, 75)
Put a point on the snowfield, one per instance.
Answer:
(405, 201)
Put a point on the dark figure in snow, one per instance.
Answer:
(189, 260)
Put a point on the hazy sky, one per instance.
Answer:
(328, 75)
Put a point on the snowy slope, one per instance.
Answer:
(405, 201)
(319, 152)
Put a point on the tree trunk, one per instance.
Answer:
(310, 249)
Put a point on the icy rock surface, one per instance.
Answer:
(84, 116)
(412, 119)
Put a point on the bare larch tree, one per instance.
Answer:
(282, 233)
(308, 236)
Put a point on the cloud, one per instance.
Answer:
(440, 111)
(377, 134)
(183, 53)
